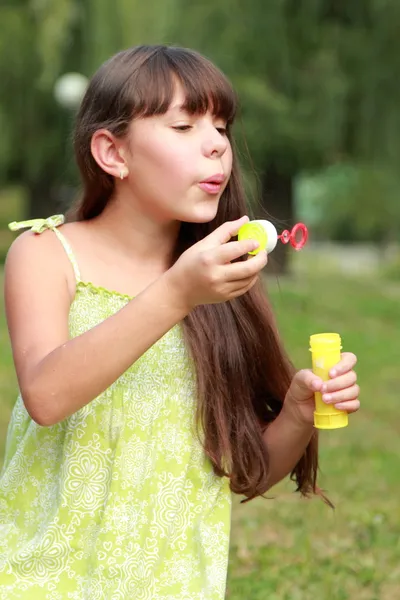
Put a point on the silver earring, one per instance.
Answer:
(122, 174)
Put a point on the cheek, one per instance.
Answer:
(163, 163)
(227, 159)
(178, 165)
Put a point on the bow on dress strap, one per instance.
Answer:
(38, 225)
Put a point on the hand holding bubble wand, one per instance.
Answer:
(325, 347)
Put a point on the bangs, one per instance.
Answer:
(153, 86)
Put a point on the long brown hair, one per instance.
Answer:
(243, 372)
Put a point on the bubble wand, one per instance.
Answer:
(265, 233)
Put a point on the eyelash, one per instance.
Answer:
(183, 128)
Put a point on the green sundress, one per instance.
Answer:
(117, 501)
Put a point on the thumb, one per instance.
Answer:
(304, 384)
(224, 232)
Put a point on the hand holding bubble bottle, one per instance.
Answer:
(325, 347)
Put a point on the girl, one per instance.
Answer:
(152, 379)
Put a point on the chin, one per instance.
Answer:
(203, 215)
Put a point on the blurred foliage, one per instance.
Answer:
(54, 38)
(318, 83)
(348, 201)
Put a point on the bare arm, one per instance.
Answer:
(58, 376)
(289, 435)
(286, 439)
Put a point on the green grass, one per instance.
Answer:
(287, 548)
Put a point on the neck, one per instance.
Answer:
(151, 241)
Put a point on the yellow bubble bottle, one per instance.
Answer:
(325, 351)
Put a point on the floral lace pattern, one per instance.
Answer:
(118, 501)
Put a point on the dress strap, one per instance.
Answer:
(40, 225)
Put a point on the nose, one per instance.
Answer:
(215, 144)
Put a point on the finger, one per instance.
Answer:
(230, 251)
(340, 382)
(350, 393)
(245, 269)
(245, 286)
(348, 362)
(224, 232)
(350, 407)
(303, 383)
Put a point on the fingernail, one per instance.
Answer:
(254, 245)
(333, 373)
(324, 387)
(327, 398)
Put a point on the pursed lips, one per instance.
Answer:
(213, 184)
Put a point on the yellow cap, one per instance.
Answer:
(331, 421)
(325, 342)
(254, 231)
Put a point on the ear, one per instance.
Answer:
(109, 154)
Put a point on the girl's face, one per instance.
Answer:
(179, 164)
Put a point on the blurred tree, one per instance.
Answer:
(32, 147)
(317, 83)
(49, 39)
(352, 202)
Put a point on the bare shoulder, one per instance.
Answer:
(29, 241)
(37, 298)
(38, 257)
